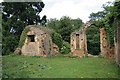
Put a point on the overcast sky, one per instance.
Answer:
(72, 8)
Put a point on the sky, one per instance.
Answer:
(72, 8)
(1, 0)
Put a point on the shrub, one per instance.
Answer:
(57, 39)
(9, 44)
(65, 48)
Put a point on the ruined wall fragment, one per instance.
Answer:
(78, 43)
(106, 50)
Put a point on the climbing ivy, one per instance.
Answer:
(23, 36)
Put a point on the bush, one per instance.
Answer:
(65, 48)
(57, 39)
(9, 44)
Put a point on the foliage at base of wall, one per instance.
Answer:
(23, 36)
(57, 39)
(65, 48)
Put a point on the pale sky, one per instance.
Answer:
(1, 0)
(72, 8)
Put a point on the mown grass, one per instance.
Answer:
(15, 66)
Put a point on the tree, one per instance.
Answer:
(93, 40)
(15, 16)
(105, 19)
(65, 26)
(54, 24)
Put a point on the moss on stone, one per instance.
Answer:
(23, 36)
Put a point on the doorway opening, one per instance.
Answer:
(77, 41)
(93, 40)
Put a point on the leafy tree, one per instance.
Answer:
(15, 16)
(65, 26)
(105, 19)
(76, 23)
(93, 40)
(54, 24)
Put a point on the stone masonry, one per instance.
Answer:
(78, 42)
(38, 42)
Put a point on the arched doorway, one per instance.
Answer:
(93, 40)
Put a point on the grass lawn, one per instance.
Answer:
(15, 66)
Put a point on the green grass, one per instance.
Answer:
(15, 66)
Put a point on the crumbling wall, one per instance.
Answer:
(78, 43)
(79, 47)
(106, 50)
(103, 42)
(37, 43)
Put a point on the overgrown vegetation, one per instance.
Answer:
(65, 26)
(23, 36)
(93, 40)
(57, 39)
(106, 19)
(15, 66)
(15, 17)
(65, 48)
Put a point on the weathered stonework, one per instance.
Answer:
(38, 42)
(106, 50)
(103, 42)
(78, 42)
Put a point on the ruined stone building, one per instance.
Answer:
(78, 42)
(38, 42)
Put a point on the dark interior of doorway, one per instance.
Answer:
(93, 40)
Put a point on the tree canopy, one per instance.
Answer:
(15, 16)
(65, 26)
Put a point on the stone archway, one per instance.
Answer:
(80, 48)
